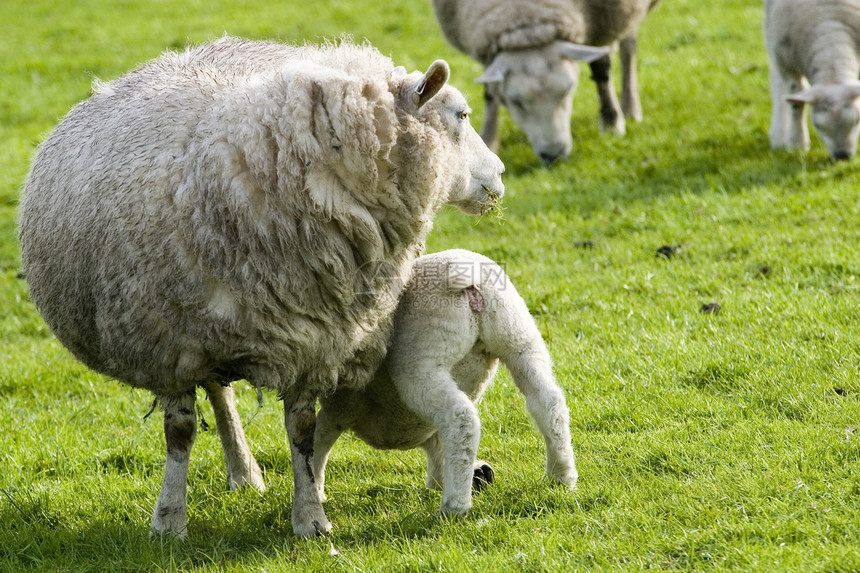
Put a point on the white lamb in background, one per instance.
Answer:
(458, 316)
(814, 42)
(244, 210)
(528, 49)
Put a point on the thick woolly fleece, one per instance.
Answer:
(483, 28)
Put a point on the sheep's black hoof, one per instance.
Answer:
(484, 476)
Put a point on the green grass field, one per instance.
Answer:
(704, 441)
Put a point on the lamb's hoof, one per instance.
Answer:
(483, 476)
(316, 528)
(168, 534)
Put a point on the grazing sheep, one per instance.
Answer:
(457, 317)
(529, 48)
(244, 210)
(814, 42)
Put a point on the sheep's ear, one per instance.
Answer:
(587, 54)
(495, 72)
(801, 97)
(399, 71)
(435, 77)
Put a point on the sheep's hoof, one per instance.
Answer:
(483, 476)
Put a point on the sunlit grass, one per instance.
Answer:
(704, 441)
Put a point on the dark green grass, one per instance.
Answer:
(720, 441)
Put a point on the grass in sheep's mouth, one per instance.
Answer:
(493, 204)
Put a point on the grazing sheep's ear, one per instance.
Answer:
(802, 97)
(854, 89)
(586, 54)
(399, 71)
(495, 72)
(435, 77)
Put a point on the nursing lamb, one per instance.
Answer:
(814, 42)
(529, 48)
(458, 316)
(245, 210)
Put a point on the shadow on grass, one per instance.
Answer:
(624, 170)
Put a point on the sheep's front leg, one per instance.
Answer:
(630, 103)
(300, 420)
(788, 125)
(611, 118)
(436, 397)
(490, 127)
(242, 468)
(180, 429)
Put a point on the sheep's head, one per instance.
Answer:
(835, 115)
(475, 172)
(537, 87)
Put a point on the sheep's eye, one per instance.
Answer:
(464, 115)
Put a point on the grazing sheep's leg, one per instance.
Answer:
(326, 434)
(630, 103)
(242, 468)
(611, 118)
(490, 127)
(434, 395)
(532, 374)
(180, 429)
(788, 125)
(308, 517)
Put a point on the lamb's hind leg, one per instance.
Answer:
(532, 374)
(242, 468)
(459, 430)
(308, 516)
(180, 429)
(482, 476)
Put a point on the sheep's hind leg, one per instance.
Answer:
(242, 468)
(325, 435)
(180, 429)
(308, 517)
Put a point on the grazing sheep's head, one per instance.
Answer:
(476, 172)
(537, 87)
(835, 115)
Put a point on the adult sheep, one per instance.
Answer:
(814, 42)
(244, 210)
(458, 316)
(529, 50)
